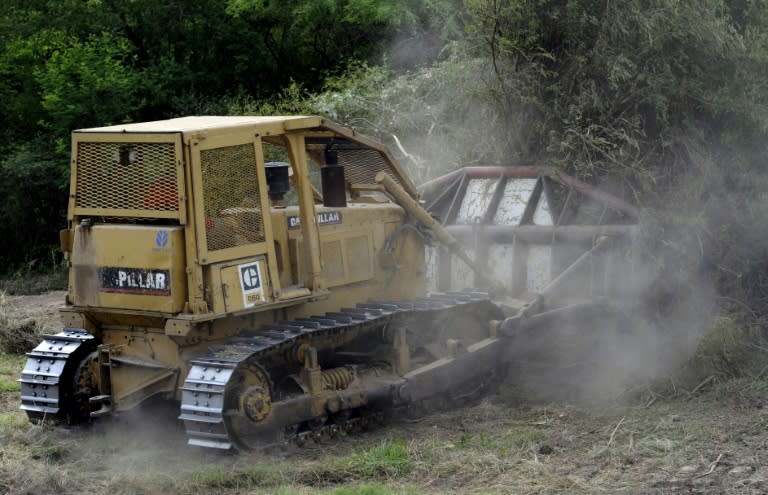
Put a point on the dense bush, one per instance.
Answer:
(662, 102)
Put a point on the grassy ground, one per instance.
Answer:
(712, 442)
(27, 280)
(10, 365)
(660, 439)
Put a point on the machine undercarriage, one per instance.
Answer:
(298, 380)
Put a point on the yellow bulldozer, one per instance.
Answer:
(268, 274)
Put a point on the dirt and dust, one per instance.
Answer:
(43, 309)
(705, 441)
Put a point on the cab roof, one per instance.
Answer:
(202, 123)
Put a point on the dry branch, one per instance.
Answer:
(711, 468)
(613, 433)
(698, 387)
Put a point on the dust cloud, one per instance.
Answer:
(141, 446)
(656, 308)
(624, 342)
(627, 315)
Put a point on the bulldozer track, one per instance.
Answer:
(203, 408)
(49, 366)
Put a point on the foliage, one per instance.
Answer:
(30, 279)
(33, 184)
(662, 102)
(15, 338)
(88, 82)
(9, 369)
(731, 349)
(217, 477)
(436, 118)
(369, 489)
(611, 89)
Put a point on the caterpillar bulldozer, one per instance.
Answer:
(269, 275)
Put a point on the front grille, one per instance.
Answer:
(127, 176)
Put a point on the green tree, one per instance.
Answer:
(610, 88)
(34, 188)
(87, 83)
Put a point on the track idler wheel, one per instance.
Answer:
(248, 403)
(85, 385)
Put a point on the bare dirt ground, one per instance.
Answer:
(708, 442)
(42, 308)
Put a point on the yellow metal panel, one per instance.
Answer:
(359, 257)
(357, 251)
(194, 271)
(303, 123)
(269, 231)
(114, 212)
(245, 285)
(134, 267)
(333, 262)
(347, 257)
(309, 229)
(214, 294)
(236, 252)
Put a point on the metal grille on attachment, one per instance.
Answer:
(127, 176)
(362, 164)
(231, 196)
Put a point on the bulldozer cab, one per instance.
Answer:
(190, 215)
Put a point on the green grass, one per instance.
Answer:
(520, 438)
(222, 477)
(6, 386)
(14, 419)
(370, 489)
(504, 443)
(10, 370)
(388, 459)
(350, 489)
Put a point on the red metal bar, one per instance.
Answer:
(539, 234)
(533, 172)
(599, 195)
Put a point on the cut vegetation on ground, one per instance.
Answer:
(661, 439)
